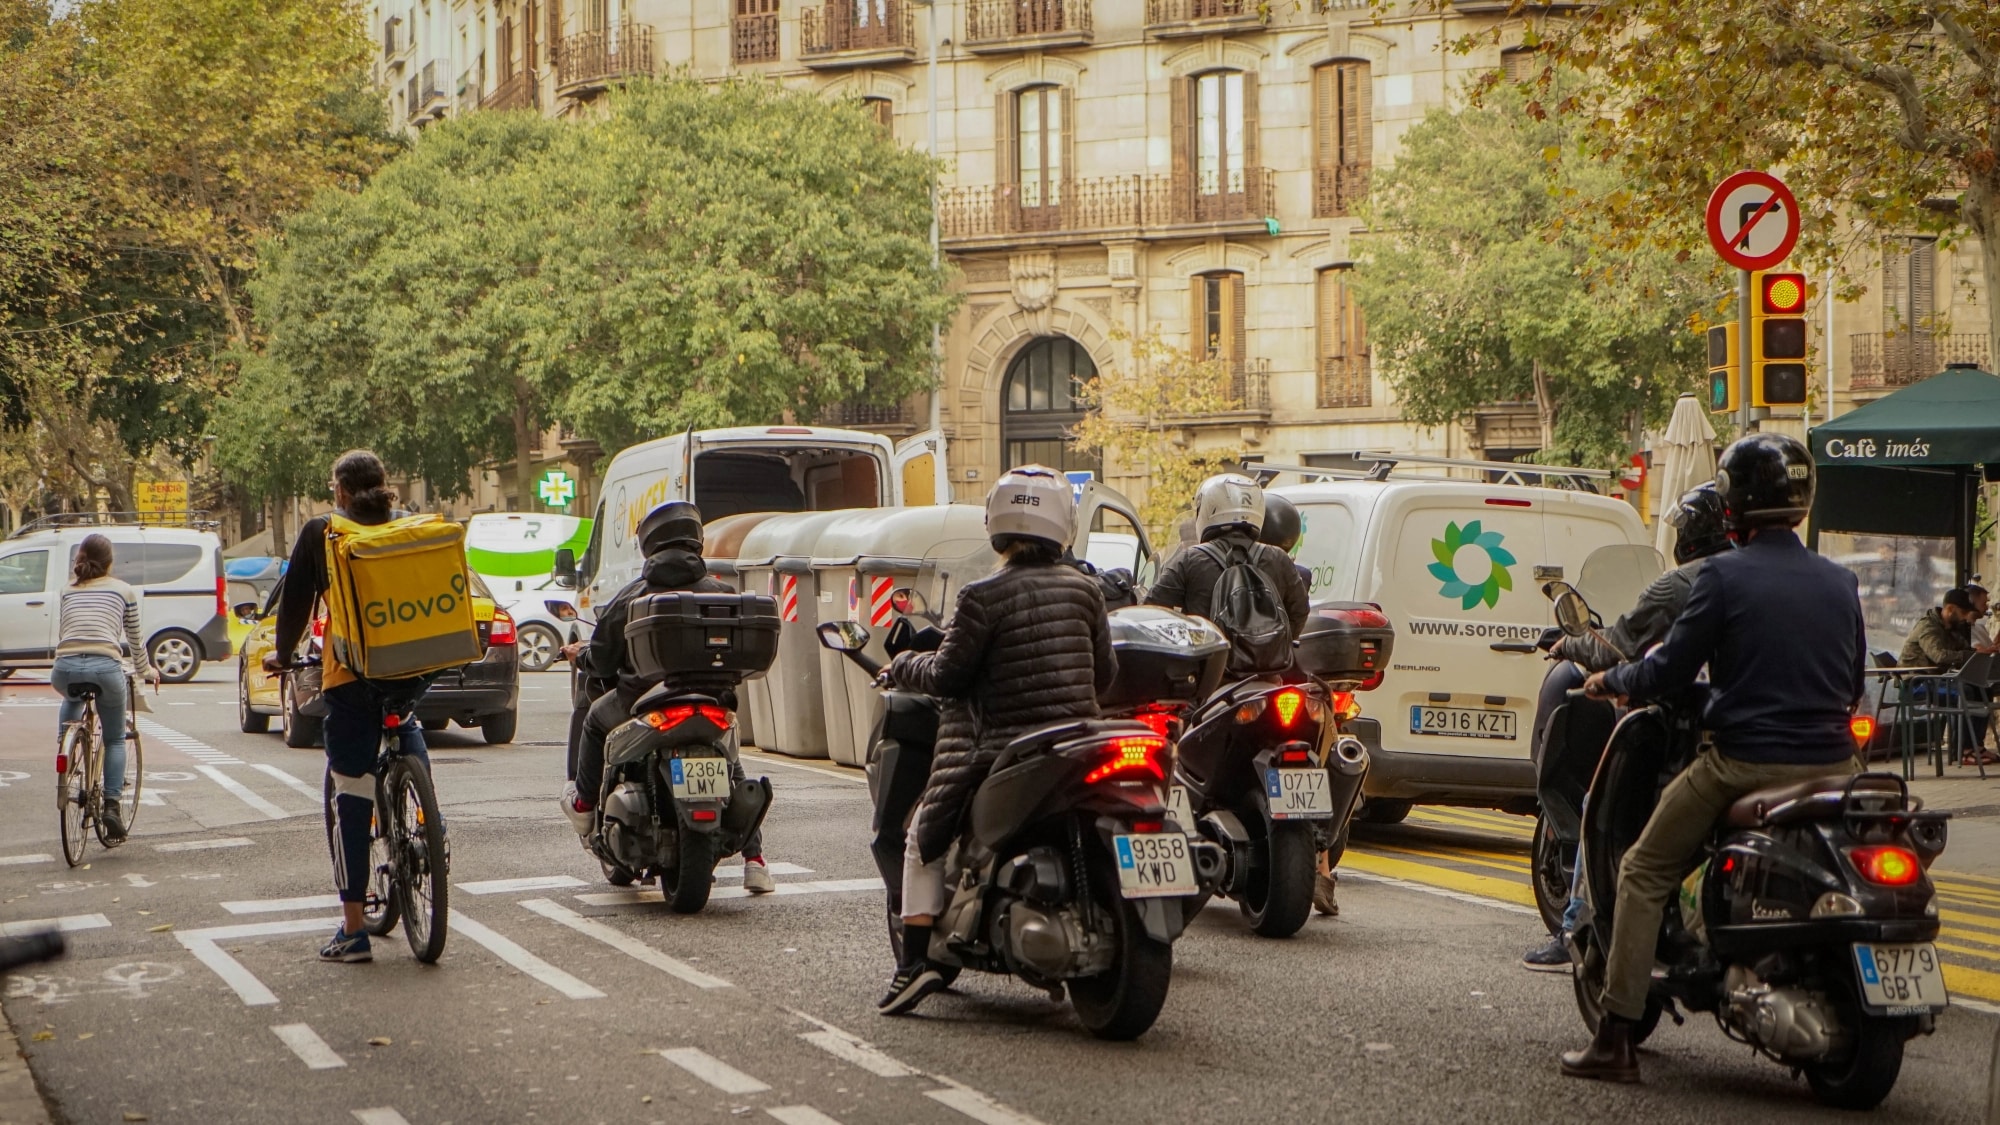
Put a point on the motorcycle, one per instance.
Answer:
(1068, 873)
(1266, 771)
(1806, 927)
(673, 803)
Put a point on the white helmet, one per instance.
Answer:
(1230, 498)
(1034, 501)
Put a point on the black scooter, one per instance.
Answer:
(1806, 928)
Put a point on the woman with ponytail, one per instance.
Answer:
(98, 635)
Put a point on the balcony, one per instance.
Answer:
(426, 96)
(1087, 210)
(468, 98)
(520, 90)
(754, 37)
(593, 60)
(395, 43)
(857, 33)
(895, 419)
(1880, 362)
(1346, 381)
(1337, 188)
(999, 26)
(1171, 19)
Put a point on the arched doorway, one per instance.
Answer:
(1039, 402)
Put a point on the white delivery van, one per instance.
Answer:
(515, 554)
(1458, 567)
(750, 469)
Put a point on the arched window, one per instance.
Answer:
(1039, 402)
(883, 110)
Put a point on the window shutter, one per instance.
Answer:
(530, 56)
(1180, 127)
(555, 30)
(1329, 317)
(1064, 145)
(1895, 285)
(1237, 346)
(1251, 180)
(1007, 138)
(1923, 283)
(1326, 126)
(1198, 315)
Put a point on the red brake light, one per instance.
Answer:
(1287, 704)
(319, 627)
(1149, 825)
(62, 764)
(718, 715)
(1862, 727)
(789, 430)
(1359, 618)
(1295, 757)
(392, 721)
(669, 718)
(703, 815)
(1501, 503)
(1886, 865)
(1133, 752)
(503, 628)
(1162, 722)
(1343, 704)
(1372, 682)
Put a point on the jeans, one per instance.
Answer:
(108, 674)
(354, 714)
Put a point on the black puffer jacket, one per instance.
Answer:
(1027, 646)
(670, 571)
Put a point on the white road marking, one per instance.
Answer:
(955, 1094)
(204, 845)
(713, 1071)
(138, 881)
(203, 944)
(381, 1115)
(978, 1106)
(308, 1046)
(532, 883)
(735, 870)
(845, 1047)
(820, 887)
(1441, 892)
(630, 946)
(69, 923)
(800, 1115)
(242, 792)
(318, 796)
(523, 960)
(282, 905)
(193, 747)
(854, 777)
(19, 860)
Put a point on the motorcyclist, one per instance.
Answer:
(670, 535)
(1027, 645)
(1698, 519)
(1229, 513)
(1781, 632)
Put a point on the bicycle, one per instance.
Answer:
(80, 774)
(409, 857)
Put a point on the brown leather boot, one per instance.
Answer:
(1611, 1057)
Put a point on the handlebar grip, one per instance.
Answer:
(1576, 693)
(1522, 647)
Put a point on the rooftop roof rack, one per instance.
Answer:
(194, 519)
(1381, 465)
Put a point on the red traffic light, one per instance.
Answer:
(1783, 294)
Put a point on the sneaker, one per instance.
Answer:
(757, 877)
(582, 817)
(1323, 900)
(347, 948)
(1550, 958)
(113, 819)
(908, 988)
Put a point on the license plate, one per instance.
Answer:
(1155, 865)
(1904, 979)
(1298, 794)
(1461, 722)
(699, 779)
(1179, 808)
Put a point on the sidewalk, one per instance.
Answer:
(20, 1102)
(1973, 844)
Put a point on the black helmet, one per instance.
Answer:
(675, 523)
(1701, 523)
(1281, 523)
(1765, 479)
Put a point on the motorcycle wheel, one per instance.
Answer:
(1278, 899)
(1587, 978)
(1121, 1002)
(1861, 1076)
(685, 882)
(1552, 875)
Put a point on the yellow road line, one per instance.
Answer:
(1511, 869)
(1456, 819)
(1976, 983)
(1504, 822)
(1968, 894)
(1465, 882)
(1946, 873)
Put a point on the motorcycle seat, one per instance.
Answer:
(1804, 800)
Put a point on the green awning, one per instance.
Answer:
(1951, 419)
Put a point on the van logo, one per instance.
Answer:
(1472, 565)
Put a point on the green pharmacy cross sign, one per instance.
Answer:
(1456, 555)
(557, 489)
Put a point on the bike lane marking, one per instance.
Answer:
(206, 947)
(308, 1046)
(532, 883)
(800, 1115)
(21, 860)
(952, 1093)
(811, 887)
(713, 1071)
(283, 905)
(521, 959)
(208, 762)
(629, 946)
(848, 1049)
(204, 845)
(380, 1115)
(978, 1106)
(290, 782)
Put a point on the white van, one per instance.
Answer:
(183, 612)
(750, 469)
(1458, 566)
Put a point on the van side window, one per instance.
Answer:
(25, 573)
(586, 567)
(154, 564)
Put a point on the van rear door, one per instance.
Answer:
(919, 471)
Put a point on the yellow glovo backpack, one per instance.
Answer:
(398, 602)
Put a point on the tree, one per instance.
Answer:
(1143, 418)
(1487, 286)
(1882, 110)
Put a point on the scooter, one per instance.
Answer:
(1806, 928)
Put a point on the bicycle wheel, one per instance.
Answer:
(416, 830)
(128, 800)
(73, 787)
(379, 913)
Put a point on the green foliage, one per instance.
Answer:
(1489, 285)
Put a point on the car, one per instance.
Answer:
(178, 571)
(485, 693)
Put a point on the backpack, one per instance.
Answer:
(1247, 610)
(398, 603)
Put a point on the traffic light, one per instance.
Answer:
(1722, 369)
(1778, 339)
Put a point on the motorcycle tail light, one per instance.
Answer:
(1886, 865)
(720, 716)
(668, 718)
(1343, 705)
(392, 721)
(1149, 826)
(1162, 721)
(703, 815)
(1287, 704)
(1137, 752)
(1862, 727)
(1372, 682)
(1298, 757)
(503, 628)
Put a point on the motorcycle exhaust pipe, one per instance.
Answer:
(1347, 768)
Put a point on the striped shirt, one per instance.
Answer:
(101, 618)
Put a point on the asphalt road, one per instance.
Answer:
(192, 993)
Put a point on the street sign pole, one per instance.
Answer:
(1744, 372)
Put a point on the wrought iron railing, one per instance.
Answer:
(426, 94)
(1346, 381)
(468, 98)
(1250, 384)
(999, 21)
(520, 90)
(1337, 188)
(1107, 203)
(593, 59)
(862, 415)
(1165, 13)
(754, 37)
(1880, 360)
(841, 26)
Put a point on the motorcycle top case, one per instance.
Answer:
(398, 601)
(1346, 642)
(1163, 655)
(681, 634)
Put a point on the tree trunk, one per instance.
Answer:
(524, 444)
(274, 518)
(1982, 214)
(1545, 408)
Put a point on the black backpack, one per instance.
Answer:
(1247, 610)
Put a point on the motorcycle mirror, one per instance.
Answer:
(564, 572)
(843, 636)
(246, 612)
(1572, 613)
(906, 600)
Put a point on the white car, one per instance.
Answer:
(544, 618)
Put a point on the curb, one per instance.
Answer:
(20, 1102)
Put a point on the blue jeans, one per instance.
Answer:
(108, 675)
(353, 729)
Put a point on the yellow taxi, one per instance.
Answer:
(485, 694)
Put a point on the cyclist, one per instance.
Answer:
(99, 625)
(355, 707)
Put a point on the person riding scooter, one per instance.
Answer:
(1780, 630)
(1702, 530)
(1229, 514)
(1028, 645)
(670, 535)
